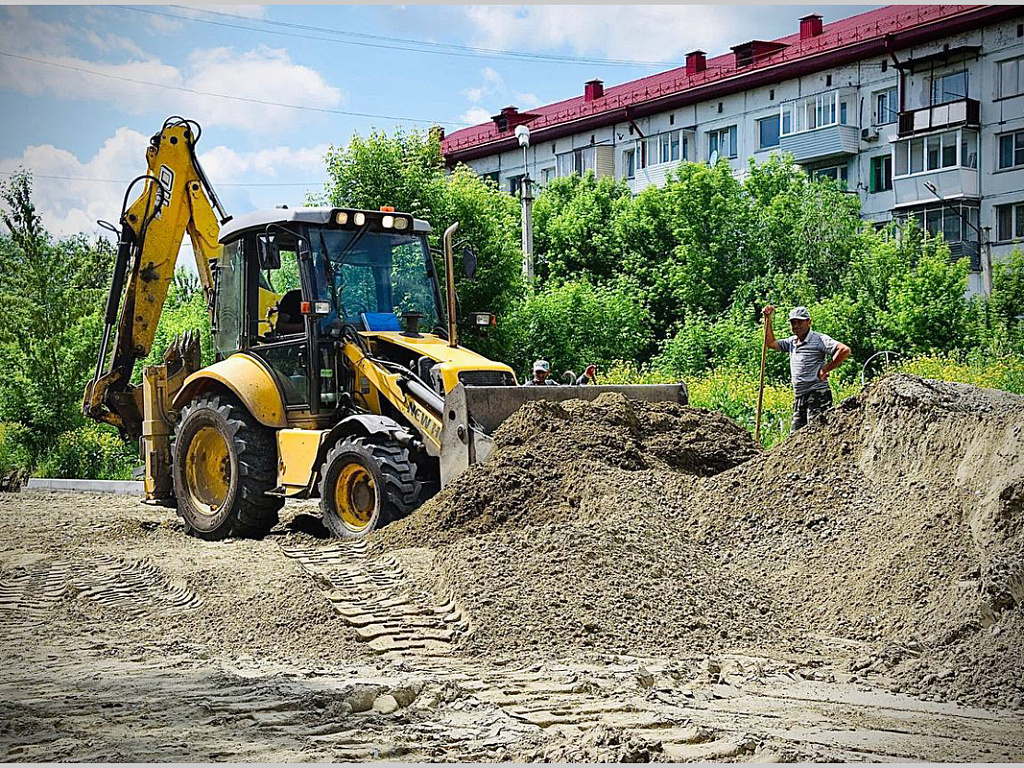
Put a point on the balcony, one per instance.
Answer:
(819, 127)
(965, 112)
(950, 184)
(821, 143)
(947, 162)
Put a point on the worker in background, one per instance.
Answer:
(541, 374)
(807, 351)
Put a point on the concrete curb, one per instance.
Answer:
(123, 487)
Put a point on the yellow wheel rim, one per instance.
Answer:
(208, 470)
(355, 496)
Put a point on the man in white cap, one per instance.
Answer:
(807, 351)
(541, 372)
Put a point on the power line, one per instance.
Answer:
(127, 181)
(264, 102)
(393, 43)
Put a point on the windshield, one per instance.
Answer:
(373, 273)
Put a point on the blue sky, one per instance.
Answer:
(63, 122)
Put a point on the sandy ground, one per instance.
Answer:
(123, 639)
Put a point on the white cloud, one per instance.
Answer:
(493, 87)
(69, 206)
(475, 115)
(94, 188)
(492, 83)
(527, 100)
(263, 73)
(109, 42)
(224, 165)
(163, 25)
(639, 32)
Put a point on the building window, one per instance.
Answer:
(807, 114)
(956, 222)
(1011, 150)
(513, 184)
(1011, 77)
(547, 174)
(951, 87)
(886, 107)
(669, 147)
(629, 158)
(881, 173)
(665, 148)
(935, 153)
(723, 142)
(768, 132)
(493, 176)
(578, 161)
(1010, 222)
(834, 172)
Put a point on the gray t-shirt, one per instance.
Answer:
(806, 358)
(535, 383)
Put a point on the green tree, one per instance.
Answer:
(575, 234)
(51, 295)
(1008, 290)
(574, 324)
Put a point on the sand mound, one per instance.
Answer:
(612, 526)
(568, 462)
(899, 521)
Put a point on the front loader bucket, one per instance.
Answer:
(472, 414)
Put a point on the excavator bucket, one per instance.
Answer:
(472, 414)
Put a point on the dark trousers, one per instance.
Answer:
(810, 407)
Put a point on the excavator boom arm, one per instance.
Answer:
(175, 200)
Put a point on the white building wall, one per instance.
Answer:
(866, 78)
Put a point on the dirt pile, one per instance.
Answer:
(575, 462)
(564, 540)
(611, 526)
(898, 522)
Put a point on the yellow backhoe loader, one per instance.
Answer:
(338, 370)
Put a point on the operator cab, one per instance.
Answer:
(291, 283)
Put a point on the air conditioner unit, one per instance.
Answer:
(869, 134)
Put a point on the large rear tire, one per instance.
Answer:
(366, 484)
(224, 462)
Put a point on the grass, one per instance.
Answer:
(734, 391)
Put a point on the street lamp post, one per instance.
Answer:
(526, 199)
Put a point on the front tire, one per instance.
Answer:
(366, 484)
(224, 462)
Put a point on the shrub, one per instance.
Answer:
(14, 453)
(90, 451)
(575, 324)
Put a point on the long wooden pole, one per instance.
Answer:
(760, 386)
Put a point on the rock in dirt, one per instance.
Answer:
(385, 705)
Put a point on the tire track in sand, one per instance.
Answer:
(375, 597)
(138, 588)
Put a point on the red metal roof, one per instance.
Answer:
(872, 25)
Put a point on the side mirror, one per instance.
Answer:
(268, 252)
(469, 262)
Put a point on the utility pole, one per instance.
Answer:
(526, 199)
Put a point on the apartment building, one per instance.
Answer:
(917, 109)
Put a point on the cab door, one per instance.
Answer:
(277, 326)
